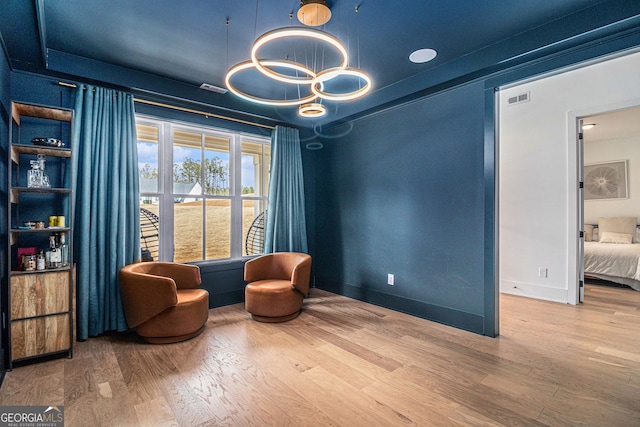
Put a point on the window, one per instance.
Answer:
(200, 190)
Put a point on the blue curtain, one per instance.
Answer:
(107, 211)
(286, 229)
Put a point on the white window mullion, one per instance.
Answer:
(203, 193)
(236, 197)
(166, 188)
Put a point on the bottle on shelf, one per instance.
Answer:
(64, 250)
(55, 258)
(40, 264)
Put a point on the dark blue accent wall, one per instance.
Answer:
(411, 191)
(5, 122)
(403, 194)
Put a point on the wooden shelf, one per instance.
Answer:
(41, 310)
(40, 230)
(45, 271)
(51, 113)
(41, 190)
(15, 232)
(16, 191)
(17, 149)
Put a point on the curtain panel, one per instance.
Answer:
(286, 229)
(107, 223)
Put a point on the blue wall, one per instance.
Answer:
(5, 121)
(411, 191)
(403, 194)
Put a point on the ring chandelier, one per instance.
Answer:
(315, 80)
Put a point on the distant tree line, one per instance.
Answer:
(216, 175)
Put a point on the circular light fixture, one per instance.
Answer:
(317, 130)
(588, 126)
(276, 102)
(304, 32)
(422, 55)
(291, 72)
(312, 110)
(332, 73)
(314, 146)
(314, 12)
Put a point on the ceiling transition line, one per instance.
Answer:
(188, 110)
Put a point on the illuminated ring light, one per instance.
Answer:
(314, 146)
(304, 32)
(331, 73)
(312, 110)
(276, 102)
(317, 130)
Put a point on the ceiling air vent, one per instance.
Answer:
(519, 99)
(212, 88)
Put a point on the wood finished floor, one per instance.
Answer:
(347, 363)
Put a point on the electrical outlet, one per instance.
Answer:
(542, 272)
(390, 279)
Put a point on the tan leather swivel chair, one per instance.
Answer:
(161, 301)
(278, 283)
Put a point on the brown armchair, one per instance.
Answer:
(278, 283)
(161, 301)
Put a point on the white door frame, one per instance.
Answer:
(575, 263)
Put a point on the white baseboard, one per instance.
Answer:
(534, 291)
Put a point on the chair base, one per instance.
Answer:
(275, 319)
(170, 340)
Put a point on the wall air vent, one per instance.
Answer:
(519, 99)
(212, 88)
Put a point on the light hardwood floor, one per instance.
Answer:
(344, 362)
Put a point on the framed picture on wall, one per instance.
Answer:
(606, 181)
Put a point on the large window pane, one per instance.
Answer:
(255, 169)
(218, 235)
(216, 165)
(148, 158)
(253, 222)
(149, 228)
(187, 160)
(187, 230)
(255, 186)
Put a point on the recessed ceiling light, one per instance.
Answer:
(422, 55)
(588, 126)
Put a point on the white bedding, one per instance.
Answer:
(615, 262)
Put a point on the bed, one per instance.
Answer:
(613, 255)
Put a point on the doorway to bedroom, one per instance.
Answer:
(611, 202)
(539, 199)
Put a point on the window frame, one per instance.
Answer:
(166, 230)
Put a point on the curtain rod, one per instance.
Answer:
(186, 110)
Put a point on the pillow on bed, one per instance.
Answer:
(595, 234)
(610, 237)
(622, 224)
(588, 233)
(636, 239)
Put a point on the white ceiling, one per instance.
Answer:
(622, 124)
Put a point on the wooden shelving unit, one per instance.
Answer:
(40, 305)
